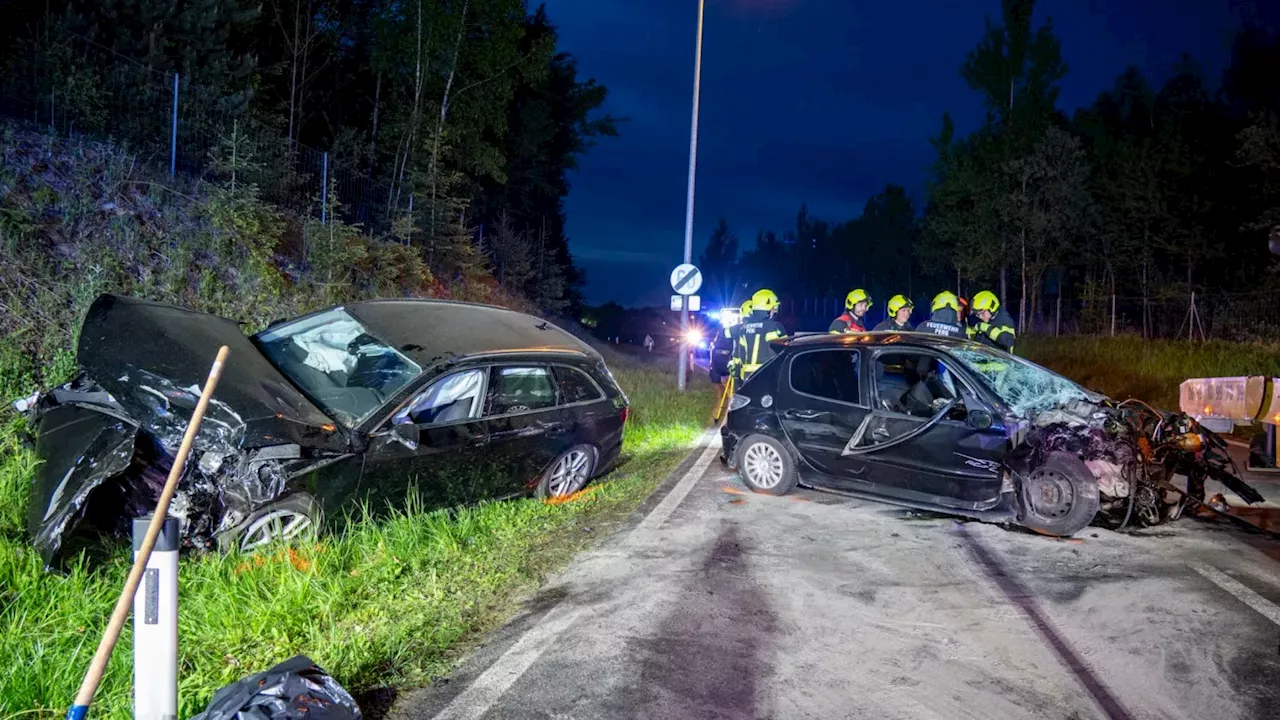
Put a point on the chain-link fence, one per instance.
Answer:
(72, 86)
(1240, 317)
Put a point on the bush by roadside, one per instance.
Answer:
(1128, 366)
(80, 218)
(384, 603)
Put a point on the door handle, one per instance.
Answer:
(802, 414)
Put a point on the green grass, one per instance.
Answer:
(1152, 370)
(387, 603)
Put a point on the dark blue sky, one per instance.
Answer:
(817, 101)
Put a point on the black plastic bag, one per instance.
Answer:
(295, 689)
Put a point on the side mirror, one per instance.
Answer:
(407, 435)
(978, 419)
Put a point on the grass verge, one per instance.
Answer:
(389, 603)
(1152, 370)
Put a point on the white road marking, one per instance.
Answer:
(678, 493)
(476, 700)
(486, 689)
(1268, 609)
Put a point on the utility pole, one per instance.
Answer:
(683, 368)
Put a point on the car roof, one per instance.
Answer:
(889, 337)
(430, 331)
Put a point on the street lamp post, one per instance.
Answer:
(683, 371)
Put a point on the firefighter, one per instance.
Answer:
(945, 319)
(900, 307)
(856, 304)
(994, 326)
(731, 334)
(756, 332)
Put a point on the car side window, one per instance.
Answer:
(828, 374)
(575, 386)
(449, 399)
(519, 389)
(913, 383)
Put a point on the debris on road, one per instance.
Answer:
(296, 689)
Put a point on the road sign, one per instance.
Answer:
(695, 302)
(686, 279)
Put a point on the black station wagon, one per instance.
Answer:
(358, 406)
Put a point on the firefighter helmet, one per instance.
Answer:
(765, 300)
(986, 300)
(945, 299)
(897, 302)
(856, 296)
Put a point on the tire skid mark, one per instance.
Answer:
(1024, 601)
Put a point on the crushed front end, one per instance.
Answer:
(106, 441)
(1135, 454)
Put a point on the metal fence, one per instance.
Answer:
(76, 87)
(1239, 317)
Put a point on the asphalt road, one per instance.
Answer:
(718, 603)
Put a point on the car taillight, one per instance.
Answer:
(626, 413)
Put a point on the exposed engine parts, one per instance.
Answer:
(1134, 452)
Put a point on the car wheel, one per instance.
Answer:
(1060, 496)
(569, 473)
(766, 466)
(284, 519)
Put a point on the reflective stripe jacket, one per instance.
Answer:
(754, 334)
(846, 323)
(998, 333)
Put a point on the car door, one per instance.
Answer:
(442, 466)
(592, 419)
(920, 440)
(822, 411)
(527, 429)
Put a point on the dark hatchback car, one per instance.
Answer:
(363, 405)
(911, 419)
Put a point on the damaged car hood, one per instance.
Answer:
(152, 358)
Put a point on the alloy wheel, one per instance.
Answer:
(570, 473)
(762, 465)
(274, 525)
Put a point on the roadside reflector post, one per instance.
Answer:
(155, 625)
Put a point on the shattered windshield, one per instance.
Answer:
(1025, 387)
(332, 357)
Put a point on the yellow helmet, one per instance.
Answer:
(765, 300)
(946, 299)
(855, 297)
(986, 300)
(897, 302)
(746, 308)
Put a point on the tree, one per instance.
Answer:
(1017, 72)
(718, 263)
(1047, 209)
